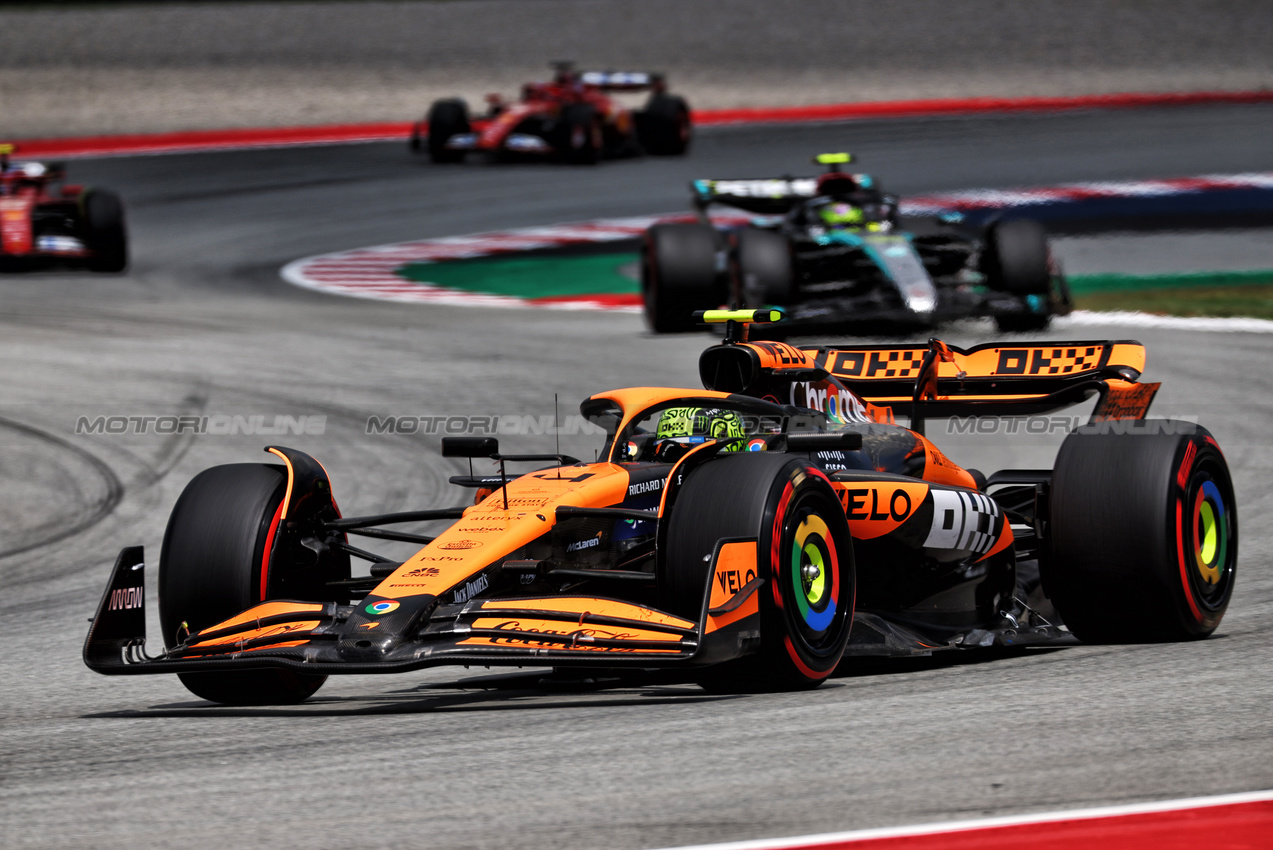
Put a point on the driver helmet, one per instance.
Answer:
(839, 184)
(698, 425)
(841, 214)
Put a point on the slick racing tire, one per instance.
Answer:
(1037, 310)
(447, 118)
(216, 545)
(102, 217)
(804, 553)
(1144, 532)
(579, 134)
(1015, 257)
(678, 275)
(762, 269)
(1035, 315)
(664, 128)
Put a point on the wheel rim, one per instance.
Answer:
(1210, 538)
(815, 576)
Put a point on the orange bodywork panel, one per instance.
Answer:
(940, 469)
(735, 568)
(581, 635)
(1125, 400)
(586, 606)
(490, 531)
(779, 356)
(877, 508)
(251, 630)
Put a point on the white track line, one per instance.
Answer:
(1128, 319)
(989, 823)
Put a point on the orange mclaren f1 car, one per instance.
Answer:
(753, 533)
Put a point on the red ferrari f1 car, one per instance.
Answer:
(752, 534)
(43, 224)
(573, 118)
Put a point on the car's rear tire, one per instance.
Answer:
(678, 275)
(1031, 319)
(762, 269)
(664, 128)
(579, 135)
(105, 235)
(1144, 533)
(804, 551)
(447, 118)
(1015, 257)
(214, 550)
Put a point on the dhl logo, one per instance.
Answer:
(905, 363)
(897, 363)
(1047, 361)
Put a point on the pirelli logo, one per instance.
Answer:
(1048, 361)
(897, 363)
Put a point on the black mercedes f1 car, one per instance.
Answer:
(833, 252)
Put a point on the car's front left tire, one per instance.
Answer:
(215, 563)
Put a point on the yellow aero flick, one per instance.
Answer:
(749, 317)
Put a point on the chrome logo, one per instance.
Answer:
(384, 606)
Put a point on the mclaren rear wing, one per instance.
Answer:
(936, 379)
(994, 378)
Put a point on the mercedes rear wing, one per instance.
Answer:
(773, 196)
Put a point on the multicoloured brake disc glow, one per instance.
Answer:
(815, 574)
(1210, 532)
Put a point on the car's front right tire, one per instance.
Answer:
(803, 551)
(678, 275)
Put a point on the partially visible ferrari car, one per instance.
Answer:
(835, 254)
(751, 534)
(573, 118)
(46, 222)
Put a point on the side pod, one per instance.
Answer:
(120, 625)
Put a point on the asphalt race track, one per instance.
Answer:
(202, 326)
